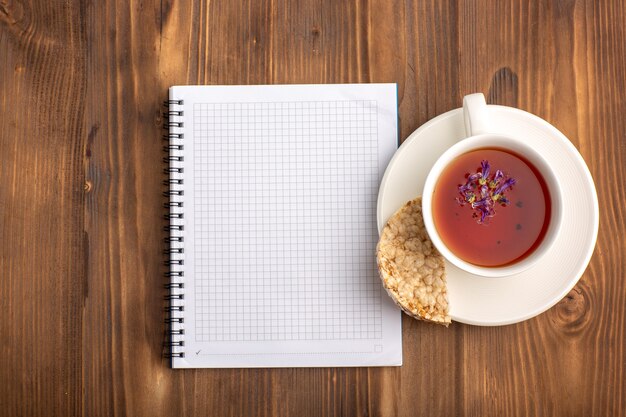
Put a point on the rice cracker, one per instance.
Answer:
(412, 270)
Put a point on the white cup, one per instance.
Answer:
(477, 129)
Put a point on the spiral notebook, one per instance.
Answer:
(272, 230)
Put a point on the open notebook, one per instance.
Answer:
(273, 225)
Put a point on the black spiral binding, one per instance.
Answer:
(174, 241)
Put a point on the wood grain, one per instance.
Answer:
(43, 88)
(80, 197)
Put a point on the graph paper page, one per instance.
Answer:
(280, 190)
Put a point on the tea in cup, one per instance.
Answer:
(491, 204)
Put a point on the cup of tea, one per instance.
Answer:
(492, 205)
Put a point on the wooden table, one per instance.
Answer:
(81, 85)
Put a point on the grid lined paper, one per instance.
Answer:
(285, 231)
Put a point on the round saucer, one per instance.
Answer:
(489, 301)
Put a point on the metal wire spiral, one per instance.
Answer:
(174, 240)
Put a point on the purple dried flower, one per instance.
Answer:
(465, 187)
(507, 184)
(473, 178)
(489, 192)
(484, 191)
(484, 171)
(486, 212)
(496, 179)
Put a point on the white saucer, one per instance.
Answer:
(499, 301)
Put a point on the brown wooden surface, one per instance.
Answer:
(81, 84)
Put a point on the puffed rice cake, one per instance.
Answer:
(412, 270)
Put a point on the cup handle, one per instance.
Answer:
(475, 114)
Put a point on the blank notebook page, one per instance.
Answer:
(280, 191)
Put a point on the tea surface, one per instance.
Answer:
(513, 232)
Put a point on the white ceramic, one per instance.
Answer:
(486, 301)
(477, 126)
